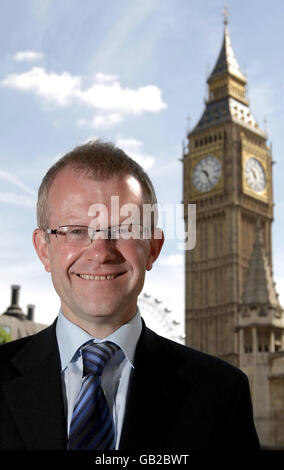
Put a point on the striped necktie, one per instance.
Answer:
(92, 425)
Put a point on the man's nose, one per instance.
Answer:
(102, 251)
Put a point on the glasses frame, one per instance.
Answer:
(108, 231)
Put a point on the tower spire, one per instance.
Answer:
(259, 288)
(227, 97)
(226, 15)
(227, 62)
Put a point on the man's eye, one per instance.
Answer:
(76, 232)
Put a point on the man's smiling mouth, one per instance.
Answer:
(92, 277)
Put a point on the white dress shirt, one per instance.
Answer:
(116, 374)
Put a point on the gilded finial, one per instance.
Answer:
(226, 15)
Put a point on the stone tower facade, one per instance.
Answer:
(228, 175)
(261, 345)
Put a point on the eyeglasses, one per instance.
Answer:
(82, 235)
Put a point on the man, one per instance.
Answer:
(151, 394)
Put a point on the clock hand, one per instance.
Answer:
(255, 174)
(206, 174)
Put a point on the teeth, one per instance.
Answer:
(97, 278)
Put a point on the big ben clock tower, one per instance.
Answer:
(228, 175)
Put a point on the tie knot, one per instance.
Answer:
(96, 356)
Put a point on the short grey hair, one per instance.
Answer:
(98, 160)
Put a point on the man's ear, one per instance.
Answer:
(41, 247)
(156, 244)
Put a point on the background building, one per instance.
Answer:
(15, 322)
(232, 308)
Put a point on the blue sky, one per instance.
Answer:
(131, 72)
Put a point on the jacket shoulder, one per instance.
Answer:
(26, 346)
(8, 350)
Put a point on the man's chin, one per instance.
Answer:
(102, 312)
(112, 317)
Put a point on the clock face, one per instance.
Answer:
(206, 174)
(254, 174)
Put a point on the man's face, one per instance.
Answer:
(84, 298)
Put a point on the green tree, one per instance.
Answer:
(4, 336)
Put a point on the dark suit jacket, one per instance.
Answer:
(179, 398)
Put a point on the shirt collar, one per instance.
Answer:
(71, 337)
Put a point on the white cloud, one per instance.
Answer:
(27, 56)
(105, 78)
(101, 121)
(112, 96)
(58, 89)
(106, 120)
(172, 260)
(106, 94)
(17, 199)
(133, 148)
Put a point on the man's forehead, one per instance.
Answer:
(77, 195)
(68, 176)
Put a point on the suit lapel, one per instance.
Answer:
(34, 397)
(157, 390)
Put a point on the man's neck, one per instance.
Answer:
(99, 327)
